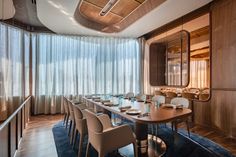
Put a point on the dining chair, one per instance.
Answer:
(188, 95)
(185, 103)
(140, 97)
(157, 99)
(72, 121)
(80, 127)
(129, 95)
(67, 113)
(169, 95)
(158, 92)
(104, 137)
(204, 96)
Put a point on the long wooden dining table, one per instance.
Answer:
(149, 114)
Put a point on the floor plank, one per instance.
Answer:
(38, 138)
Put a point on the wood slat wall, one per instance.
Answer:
(220, 111)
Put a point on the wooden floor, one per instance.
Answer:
(38, 138)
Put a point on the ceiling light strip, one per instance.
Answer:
(108, 7)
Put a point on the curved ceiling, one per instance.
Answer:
(59, 16)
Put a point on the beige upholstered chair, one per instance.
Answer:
(105, 138)
(80, 126)
(129, 95)
(170, 94)
(140, 97)
(158, 92)
(204, 96)
(185, 103)
(189, 96)
(72, 121)
(159, 98)
(67, 113)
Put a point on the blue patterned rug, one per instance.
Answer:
(178, 146)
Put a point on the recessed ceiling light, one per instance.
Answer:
(108, 7)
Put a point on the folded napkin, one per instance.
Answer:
(108, 103)
(97, 100)
(103, 101)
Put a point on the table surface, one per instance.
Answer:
(156, 114)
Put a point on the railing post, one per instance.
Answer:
(9, 139)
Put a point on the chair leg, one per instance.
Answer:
(187, 124)
(72, 133)
(64, 120)
(70, 127)
(75, 137)
(135, 149)
(67, 119)
(80, 145)
(87, 149)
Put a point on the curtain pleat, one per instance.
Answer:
(70, 66)
(14, 68)
(50, 66)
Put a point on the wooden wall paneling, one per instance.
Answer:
(202, 112)
(224, 44)
(4, 142)
(223, 111)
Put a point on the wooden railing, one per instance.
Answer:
(11, 130)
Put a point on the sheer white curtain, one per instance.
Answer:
(67, 65)
(199, 74)
(14, 53)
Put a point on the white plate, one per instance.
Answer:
(133, 112)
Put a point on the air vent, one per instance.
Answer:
(108, 7)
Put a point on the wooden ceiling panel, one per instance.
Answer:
(109, 19)
(125, 7)
(99, 3)
(124, 13)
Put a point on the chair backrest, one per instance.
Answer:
(129, 95)
(93, 123)
(171, 94)
(77, 112)
(65, 104)
(159, 98)
(70, 105)
(181, 101)
(194, 90)
(203, 96)
(188, 95)
(140, 96)
(158, 92)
